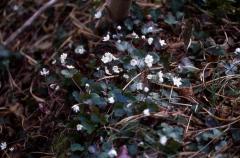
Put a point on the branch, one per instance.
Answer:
(29, 22)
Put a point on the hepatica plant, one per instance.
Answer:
(128, 88)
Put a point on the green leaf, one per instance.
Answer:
(97, 100)
(119, 97)
(235, 134)
(68, 73)
(76, 96)
(172, 146)
(4, 53)
(177, 5)
(216, 51)
(136, 11)
(133, 149)
(149, 138)
(76, 147)
(195, 48)
(123, 46)
(171, 20)
(137, 53)
(155, 13)
(129, 24)
(78, 78)
(95, 118)
(88, 125)
(119, 112)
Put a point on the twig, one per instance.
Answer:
(107, 77)
(132, 80)
(29, 22)
(188, 124)
(38, 99)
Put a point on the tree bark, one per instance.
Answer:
(114, 11)
(118, 9)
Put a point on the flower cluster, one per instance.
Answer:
(108, 57)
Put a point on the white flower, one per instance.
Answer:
(135, 35)
(107, 71)
(119, 27)
(141, 143)
(150, 40)
(146, 112)
(11, 149)
(87, 85)
(3, 145)
(54, 86)
(108, 57)
(54, 62)
(116, 69)
(114, 36)
(119, 41)
(139, 86)
(180, 67)
(70, 67)
(15, 7)
(79, 127)
(112, 153)
(177, 81)
(201, 76)
(44, 72)
(106, 38)
(111, 100)
(149, 60)
(126, 76)
(98, 15)
(63, 58)
(76, 108)
(150, 76)
(57, 88)
(146, 89)
(79, 49)
(160, 76)
(163, 140)
(150, 29)
(101, 139)
(237, 51)
(129, 105)
(134, 62)
(143, 37)
(162, 42)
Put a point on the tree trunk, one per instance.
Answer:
(115, 11)
(118, 9)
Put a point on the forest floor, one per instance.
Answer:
(163, 83)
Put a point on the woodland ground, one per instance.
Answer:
(169, 86)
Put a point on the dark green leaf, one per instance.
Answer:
(68, 73)
(4, 53)
(76, 147)
(216, 51)
(236, 134)
(155, 14)
(171, 20)
(129, 24)
(76, 96)
(97, 100)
